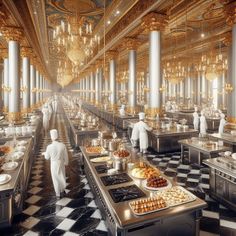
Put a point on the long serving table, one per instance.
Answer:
(199, 150)
(164, 140)
(179, 220)
(12, 193)
(113, 118)
(212, 123)
(226, 138)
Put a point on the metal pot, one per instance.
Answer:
(113, 145)
(95, 142)
(105, 143)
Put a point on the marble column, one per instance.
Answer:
(231, 109)
(112, 79)
(100, 85)
(1, 83)
(132, 45)
(87, 88)
(92, 82)
(97, 86)
(41, 88)
(26, 79)
(5, 83)
(14, 113)
(154, 23)
(37, 87)
(33, 86)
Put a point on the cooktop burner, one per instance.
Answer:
(102, 169)
(126, 193)
(115, 179)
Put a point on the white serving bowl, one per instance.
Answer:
(20, 148)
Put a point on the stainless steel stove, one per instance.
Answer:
(115, 179)
(126, 193)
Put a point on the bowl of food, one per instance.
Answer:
(228, 153)
(120, 154)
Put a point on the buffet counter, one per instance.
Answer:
(199, 150)
(163, 140)
(223, 180)
(14, 177)
(227, 138)
(114, 202)
(109, 116)
(212, 123)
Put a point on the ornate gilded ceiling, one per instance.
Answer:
(194, 27)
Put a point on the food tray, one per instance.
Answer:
(148, 212)
(169, 185)
(193, 198)
(94, 150)
(100, 159)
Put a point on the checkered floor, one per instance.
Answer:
(216, 220)
(77, 213)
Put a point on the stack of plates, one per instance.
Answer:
(22, 143)
(16, 155)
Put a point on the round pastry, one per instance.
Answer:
(156, 182)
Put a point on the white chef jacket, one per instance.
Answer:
(203, 125)
(195, 120)
(54, 106)
(46, 117)
(143, 137)
(221, 126)
(58, 156)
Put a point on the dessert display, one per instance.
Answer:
(15, 156)
(5, 149)
(157, 183)
(100, 159)
(144, 171)
(148, 205)
(176, 195)
(121, 154)
(94, 150)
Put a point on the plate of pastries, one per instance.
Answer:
(176, 195)
(144, 171)
(157, 183)
(94, 150)
(148, 205)
(5, 149)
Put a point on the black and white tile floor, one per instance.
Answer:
(77, 213)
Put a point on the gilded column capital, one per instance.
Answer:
(111, 55)
(12, 33)
(131, 43)
(98, 63)
(26, 52)
(230, 13)
(4, 53)
(154, 22)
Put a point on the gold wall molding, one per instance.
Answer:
(26, 52)
(111, 55)
(14, 116)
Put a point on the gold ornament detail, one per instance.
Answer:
(26, 52)
(131, 43)
(154, 22)
(14, 116)
(230, 13)
(12, 33)
(4, 53)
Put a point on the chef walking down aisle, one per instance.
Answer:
(46, 117)
(57, 153)
(142, 130)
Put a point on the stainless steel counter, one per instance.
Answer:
(227, 138)
(109, 116)
(212, 123)
(121, 221)
(199, 150)
(163, 140)
(12, 193)
(223, 180)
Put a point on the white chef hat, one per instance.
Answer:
(141, 115)
(53, 134)
(222, 115)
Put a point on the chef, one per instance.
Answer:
(122, 110)
(142, 128)
(58, 156)
(54, 105)
(46, 117)
(203, 123)
(222, 123)
(195, 119)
